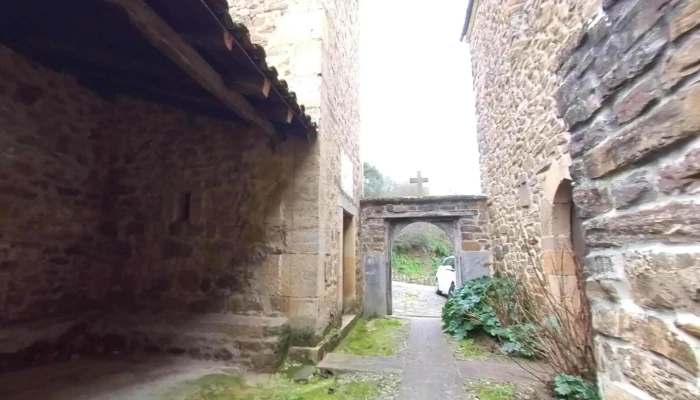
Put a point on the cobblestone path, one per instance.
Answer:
(413, 300)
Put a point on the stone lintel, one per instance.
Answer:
(420, 200)
(423, 215)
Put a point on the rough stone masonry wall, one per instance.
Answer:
(53, 165)
(514, 46)
(315, 47)
(631, 99)
(339, 137)
(196, 203)
(127, 206)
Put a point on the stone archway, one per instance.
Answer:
(449, 225)
(463, 218)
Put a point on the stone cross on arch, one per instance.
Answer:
(419, 180)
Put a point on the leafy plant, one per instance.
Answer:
(471, 308)
(468, 309)
(569, 387)
(441, 248)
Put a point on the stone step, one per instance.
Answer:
(256, 342)
(227, 324)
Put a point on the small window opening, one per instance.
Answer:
(184, 207)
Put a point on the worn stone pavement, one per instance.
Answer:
(428, 367)
(413, 300)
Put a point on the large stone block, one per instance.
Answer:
(671, 222)
(681, 63)
(682, 175)
(664, 280)
(474, 264)
(685, 18)
(616, 391)
(657, 377)
(633, 102)
(676, 120)
(649, 333)
(376, 283)
(631, 189)
(591, 201)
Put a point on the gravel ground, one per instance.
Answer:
(402, 336)
(389, 383)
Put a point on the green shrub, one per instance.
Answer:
(406, 264)
(569, 387)
(468, 309)
(441, 248)
(471, 308)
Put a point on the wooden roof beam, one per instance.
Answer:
(250, 85)
(165, 39)
(279, 113)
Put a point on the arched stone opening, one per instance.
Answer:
(463, 218)
(563, 247)
(417, 249)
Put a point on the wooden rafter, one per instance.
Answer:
(247, 85)
(166, 40)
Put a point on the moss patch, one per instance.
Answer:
(234, 387)
(468, 348)
(374, 337)
(494, 391)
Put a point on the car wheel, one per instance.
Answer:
(437, 287)
(451, 291)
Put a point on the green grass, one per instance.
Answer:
(468, 348)
(494, 391)
(374, 337)
(407, 265)
(234, 387)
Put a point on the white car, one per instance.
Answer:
(445, 277)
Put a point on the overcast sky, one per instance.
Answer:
(417, 103)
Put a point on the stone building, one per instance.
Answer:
(588, 115)
(161, 187)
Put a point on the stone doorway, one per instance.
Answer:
(349, 263)
(410, 254)
(463, 218)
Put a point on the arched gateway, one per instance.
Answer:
(463, 218)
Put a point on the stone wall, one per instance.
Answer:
(314, 45)
(630, 96)
(127, 207)
(418, 280)
(53, 166)
(195, 202)
(515, 48)
(463, 218)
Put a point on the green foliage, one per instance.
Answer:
(406, 264)
(435, 263)
(495, 391)
(471, 308)
(376, 184)
(424, 236)
(468, 348)
(468, 309)
(374, 337)
(230, 387)
(441, 248)
(418, 240)
(569, 387)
